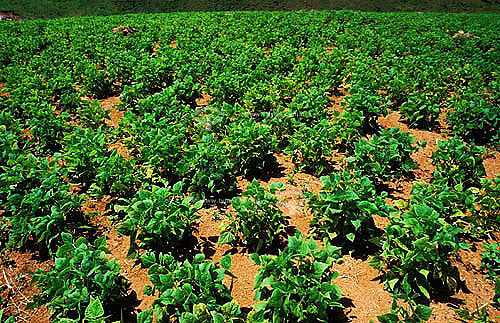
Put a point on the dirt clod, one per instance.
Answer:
(126, 30)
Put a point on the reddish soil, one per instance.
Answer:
(203, 101)
(365, 295)
(126, 30)
(120, 149)
(336, 104)
(2, 86)
(27, 134)
(329, 50)
(17, 290)
(156, 49)
(359, 284)
(131, 270)
(492, 164)
(115, 116)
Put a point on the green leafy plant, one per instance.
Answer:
(416, 250)
(258, 220)
(421, 110)
(298, 284)
(208, 168)
(475, 117)
(251, 145)
(91, 161)
(457, 162)
(454, 204)
(38, 202)
(309, 106)
(348, 129)
(47, 127)
(261, 97)
(407, 313)
(385, 156)
(479, 315)
(343, 210)
(93, 115)
(369, 103)
(310, 147)
(487, 217)
(159, 216)
(157, 142)
(97, 82)
(190, 291)
(81, 279)
(490, 260)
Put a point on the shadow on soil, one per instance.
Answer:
(124, 310)
(272, 169)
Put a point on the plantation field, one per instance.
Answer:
(311, 166)
(73, 8)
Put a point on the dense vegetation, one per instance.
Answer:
(265, 91)
(71, 8)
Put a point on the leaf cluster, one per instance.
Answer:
(258, 219)
(82, 273)
(190, 291)
(298, 284)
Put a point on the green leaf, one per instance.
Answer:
(388, 318)
(423, 312)
(225, 237)
(424, 291)
(226, 262)
(187, 317)
(126, 227)
(142, 206)
(319, 268)
(422, 211)
(230, 309)
(148, 259)
(217, 317)
(392, 283)
(188, 289)
(198, 205)
(67, 237)
(356, 224)
(351, 236)
(100, 243)
(255, 258)
(276, 299)
(424, 272)
(199, 258)
(145, 317)
(118, 208)
(94, 310)
(64, 249)
(260, 306)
